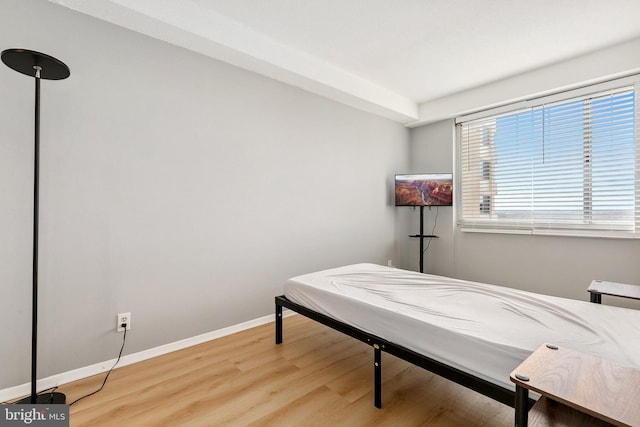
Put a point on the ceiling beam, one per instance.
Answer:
(203, 30)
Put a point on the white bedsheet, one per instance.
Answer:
(486, 330)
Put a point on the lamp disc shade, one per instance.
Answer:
(24, 61)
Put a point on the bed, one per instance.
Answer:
(472, 333)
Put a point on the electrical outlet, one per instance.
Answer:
(390, 263)
(123, 318)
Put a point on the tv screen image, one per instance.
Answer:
(426, 189)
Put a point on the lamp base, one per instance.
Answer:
(44, 399)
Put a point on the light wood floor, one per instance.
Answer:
(317, 377)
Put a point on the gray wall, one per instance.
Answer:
(562, 266)
(430, 151)
(174, 186)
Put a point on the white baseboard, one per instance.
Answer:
(12, 393)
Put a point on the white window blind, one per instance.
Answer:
(568, 166)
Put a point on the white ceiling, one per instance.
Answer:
(387, 57)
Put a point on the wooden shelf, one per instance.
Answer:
(549, 413)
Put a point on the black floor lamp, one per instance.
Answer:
(39, 66)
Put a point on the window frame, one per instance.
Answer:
(534, 226)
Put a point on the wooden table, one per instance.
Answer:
(577, 389)
(597, 288)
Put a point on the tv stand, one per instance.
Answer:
(422, 236)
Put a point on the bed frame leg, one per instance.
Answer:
(377, 376)
(278, 323)
(522, 406)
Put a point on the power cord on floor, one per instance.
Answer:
(53, 389)
(124, 339)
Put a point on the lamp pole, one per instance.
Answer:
(39, 66)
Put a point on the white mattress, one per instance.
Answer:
(485, 330)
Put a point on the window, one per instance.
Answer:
(563, 164)
(486, 170)
(485, 205)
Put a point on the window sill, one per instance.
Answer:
(599, 234)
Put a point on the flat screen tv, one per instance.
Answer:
(425, 189)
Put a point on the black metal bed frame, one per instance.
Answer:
(493, 391)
